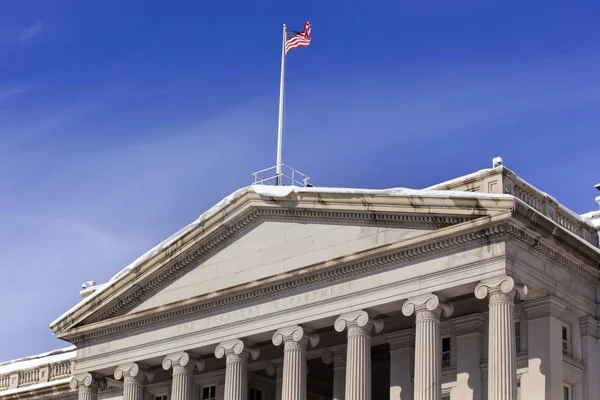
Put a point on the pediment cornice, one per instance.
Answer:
(124, 294)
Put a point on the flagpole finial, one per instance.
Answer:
(284, 25)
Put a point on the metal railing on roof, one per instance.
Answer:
(288, 177)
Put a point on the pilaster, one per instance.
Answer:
(337, 357)
(544, 378)
(236, 353)
(428, 355)
(358, 363)
(220, 387)
(468, 330)
(275, 368)
(590, 332)
(402, 364)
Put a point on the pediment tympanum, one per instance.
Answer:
(257, 238)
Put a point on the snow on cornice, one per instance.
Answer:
(272, 192)
(593, 217)
(51, 357)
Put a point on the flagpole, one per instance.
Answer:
(280, 124)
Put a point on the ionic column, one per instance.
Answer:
(237, 353)
(428, 355)
(295, 341)
(338, 358)
(87, 385)
(402, 364)
(275, 367)
(358, 352)
(133, 380)
(183, 386)
(502, 353)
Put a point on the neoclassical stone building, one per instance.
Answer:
(482, 287)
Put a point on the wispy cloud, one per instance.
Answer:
(32, 34)
(9, 92)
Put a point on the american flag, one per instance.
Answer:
(294, 39)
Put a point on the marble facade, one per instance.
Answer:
(478, 288)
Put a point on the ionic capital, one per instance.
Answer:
(182, 363)
(87, 380)
(295, 334)
(401, 340)
(337, 357)
(133, 370)
(500, 286)
(427, 306)
(237, 347)
(358, 319)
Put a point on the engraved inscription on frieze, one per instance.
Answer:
(267, 308)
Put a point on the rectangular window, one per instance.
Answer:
(566, 339)
(209, 393)
(446, 398)
(446, 351)
(256, 394)
(160, 397)
(519, 389)
(518, 336)
(567, 392)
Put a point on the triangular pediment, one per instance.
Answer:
(256, 238)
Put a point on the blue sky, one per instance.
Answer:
(120, 122)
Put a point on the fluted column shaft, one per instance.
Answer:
(132, 389)
(183, 386)
(502, 356)
(236, 377)
(88, 392)
(428, 356)
(338, 358)
(295, 341)
(236, 353)
(358, 352)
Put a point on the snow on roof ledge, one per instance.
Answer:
(29, 362)
(272, 192)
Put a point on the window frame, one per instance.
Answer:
(569, 391)
(566, 343)
(209, 396)
(449, 362)
(256, 389)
